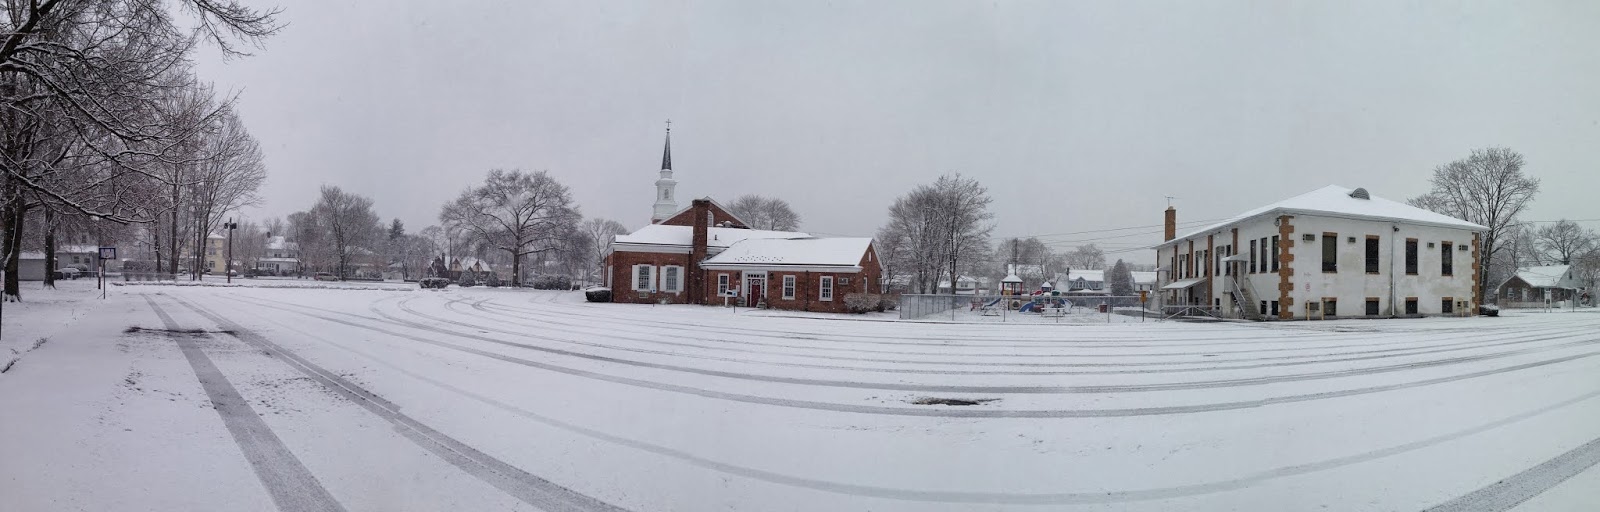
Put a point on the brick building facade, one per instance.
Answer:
(704, 254)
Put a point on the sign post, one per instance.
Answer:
(227, 267)
(1144, 297)
(106, 254)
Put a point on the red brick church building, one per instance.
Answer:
(703, 254)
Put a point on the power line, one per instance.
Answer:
(1069, 233)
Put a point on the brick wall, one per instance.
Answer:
(621, 268)
(1285, 267)
(687, 217)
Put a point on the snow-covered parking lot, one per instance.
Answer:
(242, 398)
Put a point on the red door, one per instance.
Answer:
(758, 291)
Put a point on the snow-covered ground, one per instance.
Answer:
(343, 398)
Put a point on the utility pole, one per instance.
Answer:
(227, 267)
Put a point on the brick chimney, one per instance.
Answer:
(1172, 223)
(701, 211)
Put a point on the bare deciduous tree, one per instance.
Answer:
(516, 212)
(601, 233)
(350, 227)
(1564, 241)
(1488, 188)
(769, 213)
(1087, 257)
(938, 230)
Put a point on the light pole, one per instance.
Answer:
(227, 266)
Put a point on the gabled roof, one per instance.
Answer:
(1336, 201)
(1548, 276)
(842, 254)
(713, 201)
(669, 235)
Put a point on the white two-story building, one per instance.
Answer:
(1332, 252)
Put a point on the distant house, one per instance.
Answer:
(965, 285)
(1093, 282)
(31, 264)
(1535, 285)
(282, 257)
(1331, 252)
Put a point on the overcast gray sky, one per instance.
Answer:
(1077, 116)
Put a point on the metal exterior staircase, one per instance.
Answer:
(1244, 299)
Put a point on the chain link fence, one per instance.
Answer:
(1063, 308)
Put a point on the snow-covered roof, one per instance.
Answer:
(661, 234)
(1548, 276)
(467, 262)
(844, 253)
(1144, 277)
(281, 243)
(31, 255)
(1335, 201)
(1011, 278)
(76, 248)
(1086, 275)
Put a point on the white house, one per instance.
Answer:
(282, 257)
(1332, 252)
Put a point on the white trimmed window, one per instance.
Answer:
(672, 279)
(788, 287)
(722, 285)
(825, 294)
(644, 277)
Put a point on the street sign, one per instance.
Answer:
(108, 253)
(1144, 296)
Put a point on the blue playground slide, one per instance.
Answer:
(1029, 307)
(993, 302)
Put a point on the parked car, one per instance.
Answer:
(325, 276)
(68, 273)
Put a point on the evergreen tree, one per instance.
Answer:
(1120, 279)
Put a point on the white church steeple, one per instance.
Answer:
(666, 187)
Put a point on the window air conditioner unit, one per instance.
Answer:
(1461, 247)
(1430, 245)
(844, 281)
(1309, 237)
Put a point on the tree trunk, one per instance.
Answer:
(516, 269)
(173, 257)
(13, 247)
(50, 263)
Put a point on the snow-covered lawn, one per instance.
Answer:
(258, 398)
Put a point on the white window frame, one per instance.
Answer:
(649, 280)
(789, 287)
(722, 285)
(825, 289)
(677, 272)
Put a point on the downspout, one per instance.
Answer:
(1394, 231)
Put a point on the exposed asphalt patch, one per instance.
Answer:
(929, 400)
(136, 329)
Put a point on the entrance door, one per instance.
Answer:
(755, 287)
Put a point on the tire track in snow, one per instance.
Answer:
(1492, 340)
(514, 481)
(291, 486)
(999, 498)
(1489, 338)
(936, 412)
(930, 388)
(1516, 489)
